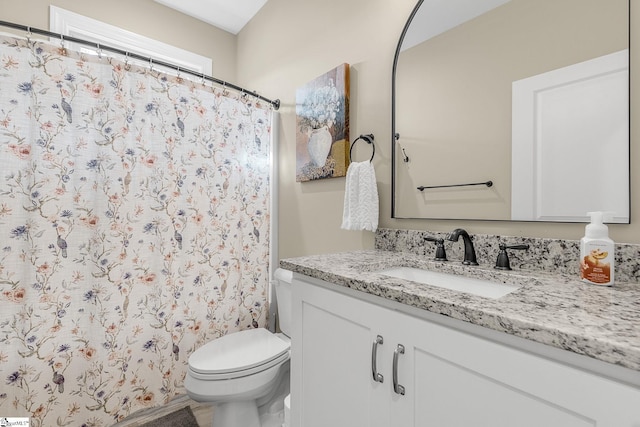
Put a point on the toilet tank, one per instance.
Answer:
(283, 297)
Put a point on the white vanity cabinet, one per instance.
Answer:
(331, 360)
(450, 376)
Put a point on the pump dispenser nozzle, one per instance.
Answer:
(596, 229)
(596, 216)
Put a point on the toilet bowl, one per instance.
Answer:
(246, 374)
(287, 411)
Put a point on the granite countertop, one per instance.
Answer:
(561, 311)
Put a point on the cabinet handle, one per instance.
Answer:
(397, 387)
(377, 377)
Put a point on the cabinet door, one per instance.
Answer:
(464, 380)
(451, 378)
(331, 373)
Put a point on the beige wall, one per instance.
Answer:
(144, 17)
(291, 42)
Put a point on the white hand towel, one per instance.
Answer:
(360, 198)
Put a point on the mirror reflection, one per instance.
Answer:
(529, 95)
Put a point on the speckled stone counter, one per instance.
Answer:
(544, 255)
(550, 308)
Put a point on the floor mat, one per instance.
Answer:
(181, 418)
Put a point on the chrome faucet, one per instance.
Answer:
(469, 251)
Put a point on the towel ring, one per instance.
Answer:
(368, 138)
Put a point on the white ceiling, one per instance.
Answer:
(437, 16)
(229, 15)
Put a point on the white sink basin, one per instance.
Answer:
(480, 287)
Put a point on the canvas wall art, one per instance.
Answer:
(322, 126)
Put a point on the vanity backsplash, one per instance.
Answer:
(544, 255)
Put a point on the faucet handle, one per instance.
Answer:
(502, 262)
(441, 255)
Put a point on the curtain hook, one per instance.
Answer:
(62, 41)
(126, 58)
(151, 64)
(99, 50)
(202, 79)
(28, 34)
(178, 75)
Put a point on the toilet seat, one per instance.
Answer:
(238, 354)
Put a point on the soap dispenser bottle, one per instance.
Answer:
(597, 253)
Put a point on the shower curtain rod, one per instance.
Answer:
(98, 46)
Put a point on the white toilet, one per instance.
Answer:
(246, 374)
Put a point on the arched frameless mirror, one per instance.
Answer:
(529, 96)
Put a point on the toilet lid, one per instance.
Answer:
(238, 351)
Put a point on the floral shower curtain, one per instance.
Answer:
(134, 227)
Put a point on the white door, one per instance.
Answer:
(570, 147)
